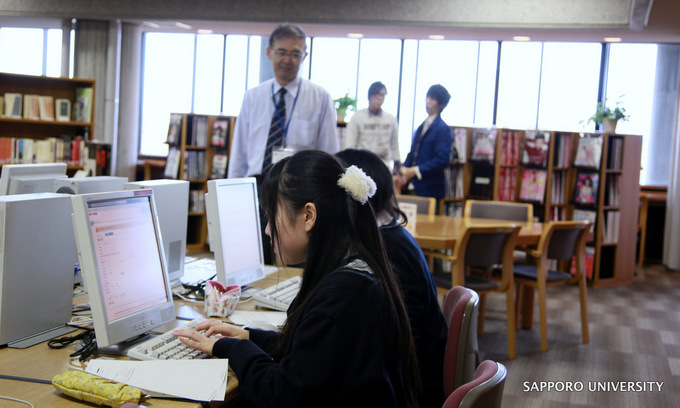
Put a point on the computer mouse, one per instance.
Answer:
(262, 325)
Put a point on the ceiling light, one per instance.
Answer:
(152, 25)
(204, 31)
(612, 39)
(355, 35)
(436, 37)
(182, 25)
(521, 38)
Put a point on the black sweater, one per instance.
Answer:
(342, 352)
(425, 316)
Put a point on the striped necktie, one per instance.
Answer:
(275, 131)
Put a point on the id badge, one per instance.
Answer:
(281, 153)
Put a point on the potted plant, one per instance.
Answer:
(609, 117)
(344, 103)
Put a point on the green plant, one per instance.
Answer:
(344, 103)
(603, 112)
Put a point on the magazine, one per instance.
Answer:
(459, 146)
(483, 145)
(533, 185)
(174, 129)
(586, 188)
(220, 132)
(536, 148)
(589, 151)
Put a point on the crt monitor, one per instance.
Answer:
(30, 178)
(121, 256)
(232, 210)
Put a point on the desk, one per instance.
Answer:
(442, 231)
(44, 363)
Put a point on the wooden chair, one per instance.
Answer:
(483, 246)
(461, 356)
(499, 210)
(561, 240)
(426, 205)
(484, 391)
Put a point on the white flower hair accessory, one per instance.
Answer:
(357, 184)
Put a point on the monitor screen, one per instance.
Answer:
(30, 178)
(122, 262)
(235, 234)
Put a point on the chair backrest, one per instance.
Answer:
(499, 210)
(485, 390)
(563, 239)
(425, 205)
(461, 356)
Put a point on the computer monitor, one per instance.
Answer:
(121, 256)
(172, 204)
(30, 178)
(232, 210)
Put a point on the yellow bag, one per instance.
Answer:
(88, 387)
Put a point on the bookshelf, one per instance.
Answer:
(458, 173)
(614, 207)
(199, 148)
(601, 187)
(35, 130)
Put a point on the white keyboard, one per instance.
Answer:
(167, 347)
(278, 296)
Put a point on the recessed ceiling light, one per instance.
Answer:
(152, 25)
(436, 37)
(521, 38)
(182, 25)
(612, 39)
(355, 35)
(204, 31)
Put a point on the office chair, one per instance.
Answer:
(484, 391)
(499, 210)
(425, 205)
(561, 240)
(461, 356)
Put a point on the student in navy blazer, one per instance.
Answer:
(430, 148)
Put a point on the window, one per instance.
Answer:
(30, 51)
(209, 68)
(379, 60)
(520, 70)
(334, 65)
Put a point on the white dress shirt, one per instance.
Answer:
(311, 122)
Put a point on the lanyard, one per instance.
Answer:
(284, 127)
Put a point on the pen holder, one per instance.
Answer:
(220, 301)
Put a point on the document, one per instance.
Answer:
(198, 380)
(244, 318)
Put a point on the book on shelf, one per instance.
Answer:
(172, 163)
(196, 201)
(586, 188)
(453, 208)
(454, 182)
(62, 110)
(614, 154)
(32, 107)
(563, 149)
(194, 165)
(46, 107)
(197, 131)
(82, 107)
(611, 227)
(585, 215)
(220, 132)
(174, 129)
(613, 189)
(13, 105)
(509, 151)
(536, 145)
(219, 165)
(2, 106)
(589, 151)
(507, 183)
(459, 145)
(483, 145)
(557, 187)
(533, 185)
(481, 183)
(589, 258)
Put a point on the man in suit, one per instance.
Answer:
(430, 148)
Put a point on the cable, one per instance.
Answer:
(88, 344)
(17, 400)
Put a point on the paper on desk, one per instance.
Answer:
(199, 380)
(244, 317)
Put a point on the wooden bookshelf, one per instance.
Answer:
(195, 164)
(38, 129)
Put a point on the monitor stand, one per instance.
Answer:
(122, 348)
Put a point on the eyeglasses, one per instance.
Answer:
(294, 55)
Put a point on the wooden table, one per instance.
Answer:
(41, 362)
(442, 231)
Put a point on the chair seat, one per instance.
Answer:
(530, 272)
